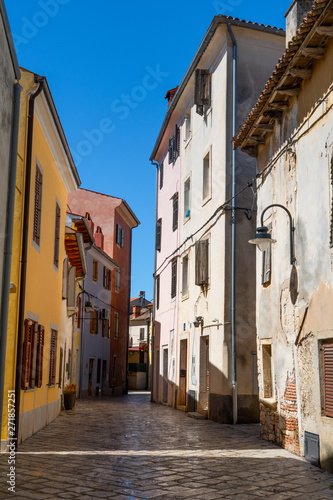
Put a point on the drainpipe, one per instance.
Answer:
(233, 229)
(129, 311)
(152, 382)
(24, 254)
(8, 243)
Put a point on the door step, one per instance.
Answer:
(202, 412)
(197, 415)
(182, 407)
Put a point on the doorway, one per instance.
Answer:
(104, 374)
(204, 373)
(165, 376)
(182, 373)
(157, 373)
(91, 377)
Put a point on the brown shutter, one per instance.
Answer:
(109, 282)
(198, 91)
(37, 205)
(60, 366)
(92, 322)
(173, 278)
(170, 149)
(158, 234)
(31, 355)
(202, 90)
(175, 212)
(24, 381)
(328, 379)
(201, 262)
(40, 353)
(161, 175)
(157, 292)
(104, 277)
(56, 236)
(53, 347)
(65, 279)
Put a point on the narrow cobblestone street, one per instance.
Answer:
(129, 448)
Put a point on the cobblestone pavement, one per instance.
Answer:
(129, 448)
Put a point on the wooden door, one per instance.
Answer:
(204, 373)
(182, 373)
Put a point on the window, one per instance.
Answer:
(173, 278)
(105, 322)
(202, 90)
(53, 357)
(267, 370)
(187, 126)
(28, 371)
(37, 206)
(117, 279)
(175, 212)
(185, 276)
(266, 263)
(115, 326)
(187, 198)
(114, 370)
(40, 352)
(174, 146)
(106, 278)
(119, 236)
(94, 322)
(157, 292)
(95, 270)
(158, 234)
(161, 175)
(206, 184)
(56, 236)
(142, 333)
(328, 379)
(99, 364)
(202, 262)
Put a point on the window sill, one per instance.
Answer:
(270, 403)
(173, 299)
(30, 389)
(186, 219)
(185, 297)
(187, 142)
(206, 200)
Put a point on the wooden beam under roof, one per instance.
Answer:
(266, 127)
(289, 91)
(279, 105)
(325, 30)
(313, 52)
(304, 73)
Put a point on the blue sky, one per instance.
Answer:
(97, 57)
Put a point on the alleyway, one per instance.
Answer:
(128, 448)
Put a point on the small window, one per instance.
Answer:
(29, 355)
(53, 357)
(115, 329)
(158, 235)
(94, 322)
(117, 279)
(187, 126)
(37, 206)
(175, 212)
(267, 370)
(161, 175)
(174, 146)
(206, 184)
(202, 262)
(173, 278)
(119, 236)
(142, 333)
(95, 270)
(187, 198)
(157, 292)
(185, 276)
(56, 236)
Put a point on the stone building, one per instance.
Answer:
(290, 132)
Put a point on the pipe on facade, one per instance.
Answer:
(152, 382)
(24, 254)
(233, 229)
(129, 312)
(9, 242)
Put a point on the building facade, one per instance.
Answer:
(205, 337)
(139, 344)
(117, 220)
(290, 132)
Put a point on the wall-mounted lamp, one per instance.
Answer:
(263, 239)
(89, 307)
(198, 321)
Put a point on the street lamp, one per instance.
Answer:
(263, 239)
(88, 307)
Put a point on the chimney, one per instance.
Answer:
(295, 15)
(136, 311)
(170, 95)
(90, 222)
(142, 295)
(99, 238)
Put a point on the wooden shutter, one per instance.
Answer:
(71, 294)
(96, 320)
(104, 277)
(40, 354)
(109, 282)
(53, 352)
(201, 262)
(56, 236)
(173, 278)
(161, 175)
(65, 279)
(60, 366)
(26, 355)
(37, 205)
(328, 379)
(31, 373)
(158, 234)
(157, 292)
(202, 90)
(170, 150)
(176, 147)
(175, 212)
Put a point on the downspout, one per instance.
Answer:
(24, 254)
(128, 314)
(233, 229)
(8, 243)
(152, 382)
